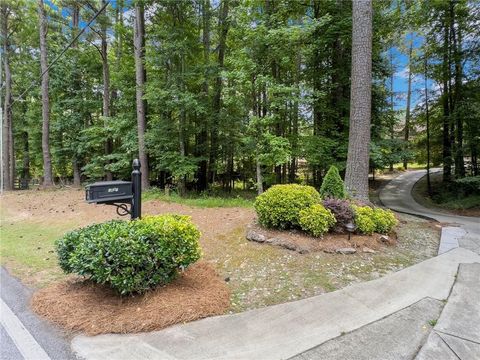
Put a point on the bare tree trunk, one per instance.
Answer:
(26, 157)
(447, 146)
(427, 115)
(106, 92)
(392, 104)
(75, 23)
(409, 98)
(224, 26)
(356, 177)
(47, 161)
(139, 45)
(202, 137)
(7, 113)
(259, 178)
(457, 51)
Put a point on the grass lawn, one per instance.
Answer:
(237, 199)
(257, 274)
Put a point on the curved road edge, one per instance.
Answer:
(397, 196)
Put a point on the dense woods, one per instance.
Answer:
(233, 93)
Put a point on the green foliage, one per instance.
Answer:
(332, 185)
(369, 220)
(316, 220)
(364, 219)
(131, 256)
(468, 185)
(384, 220)
(203, 200)
(280, 205)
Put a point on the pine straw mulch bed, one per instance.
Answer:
(303, 243)
(82, 306)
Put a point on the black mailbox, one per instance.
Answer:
(105, 192)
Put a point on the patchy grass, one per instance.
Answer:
(199, 200)
(443, 198)
(27, 249)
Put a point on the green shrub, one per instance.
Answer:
(364, 219)
(131, 256)
(316, 220)
(369, 220)
(332, 185)
(384, 220)
(280, 205)
(467, 185)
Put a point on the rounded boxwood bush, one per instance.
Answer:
(316, 220)
(332, 185)
(131, 256)
(364, 219)
(279, 206)
(369, 220)
(384, 220)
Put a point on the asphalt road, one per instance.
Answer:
(397, 196)
(23, 334)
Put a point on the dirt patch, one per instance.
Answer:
(302, 243)
(95, 309)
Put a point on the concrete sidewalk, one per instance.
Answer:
(285, 330)
(457, 332)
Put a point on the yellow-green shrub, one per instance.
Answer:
(364, 219)
(369, 220)
(316, 220)
(280, 205)
(385, 220)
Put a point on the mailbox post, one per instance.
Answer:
(136, 209)
(119, 193)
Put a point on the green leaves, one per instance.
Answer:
(280, 205)
(332, 185)
(131, 256)
(316, 220)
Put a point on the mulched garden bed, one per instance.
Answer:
(82, 306)
(302, 243)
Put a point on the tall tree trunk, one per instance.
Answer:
(447, 150)
(392, 105)
(47, 161)
(76, 85)
(409, 98)
(106, 93)
(356, 177)
(457, 51)
(223, 25)
(7, 113)
(26, 157)
(202, 138)
(259, 177)
(427, 116)
(139, 44)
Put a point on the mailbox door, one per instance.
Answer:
(109, 191)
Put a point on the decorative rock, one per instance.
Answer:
(385, 239)
(283, 243)
(254, 236)
(368, 250)
(346, 251)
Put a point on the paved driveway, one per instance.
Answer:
(397, 196)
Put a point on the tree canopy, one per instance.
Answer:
(256, 92)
